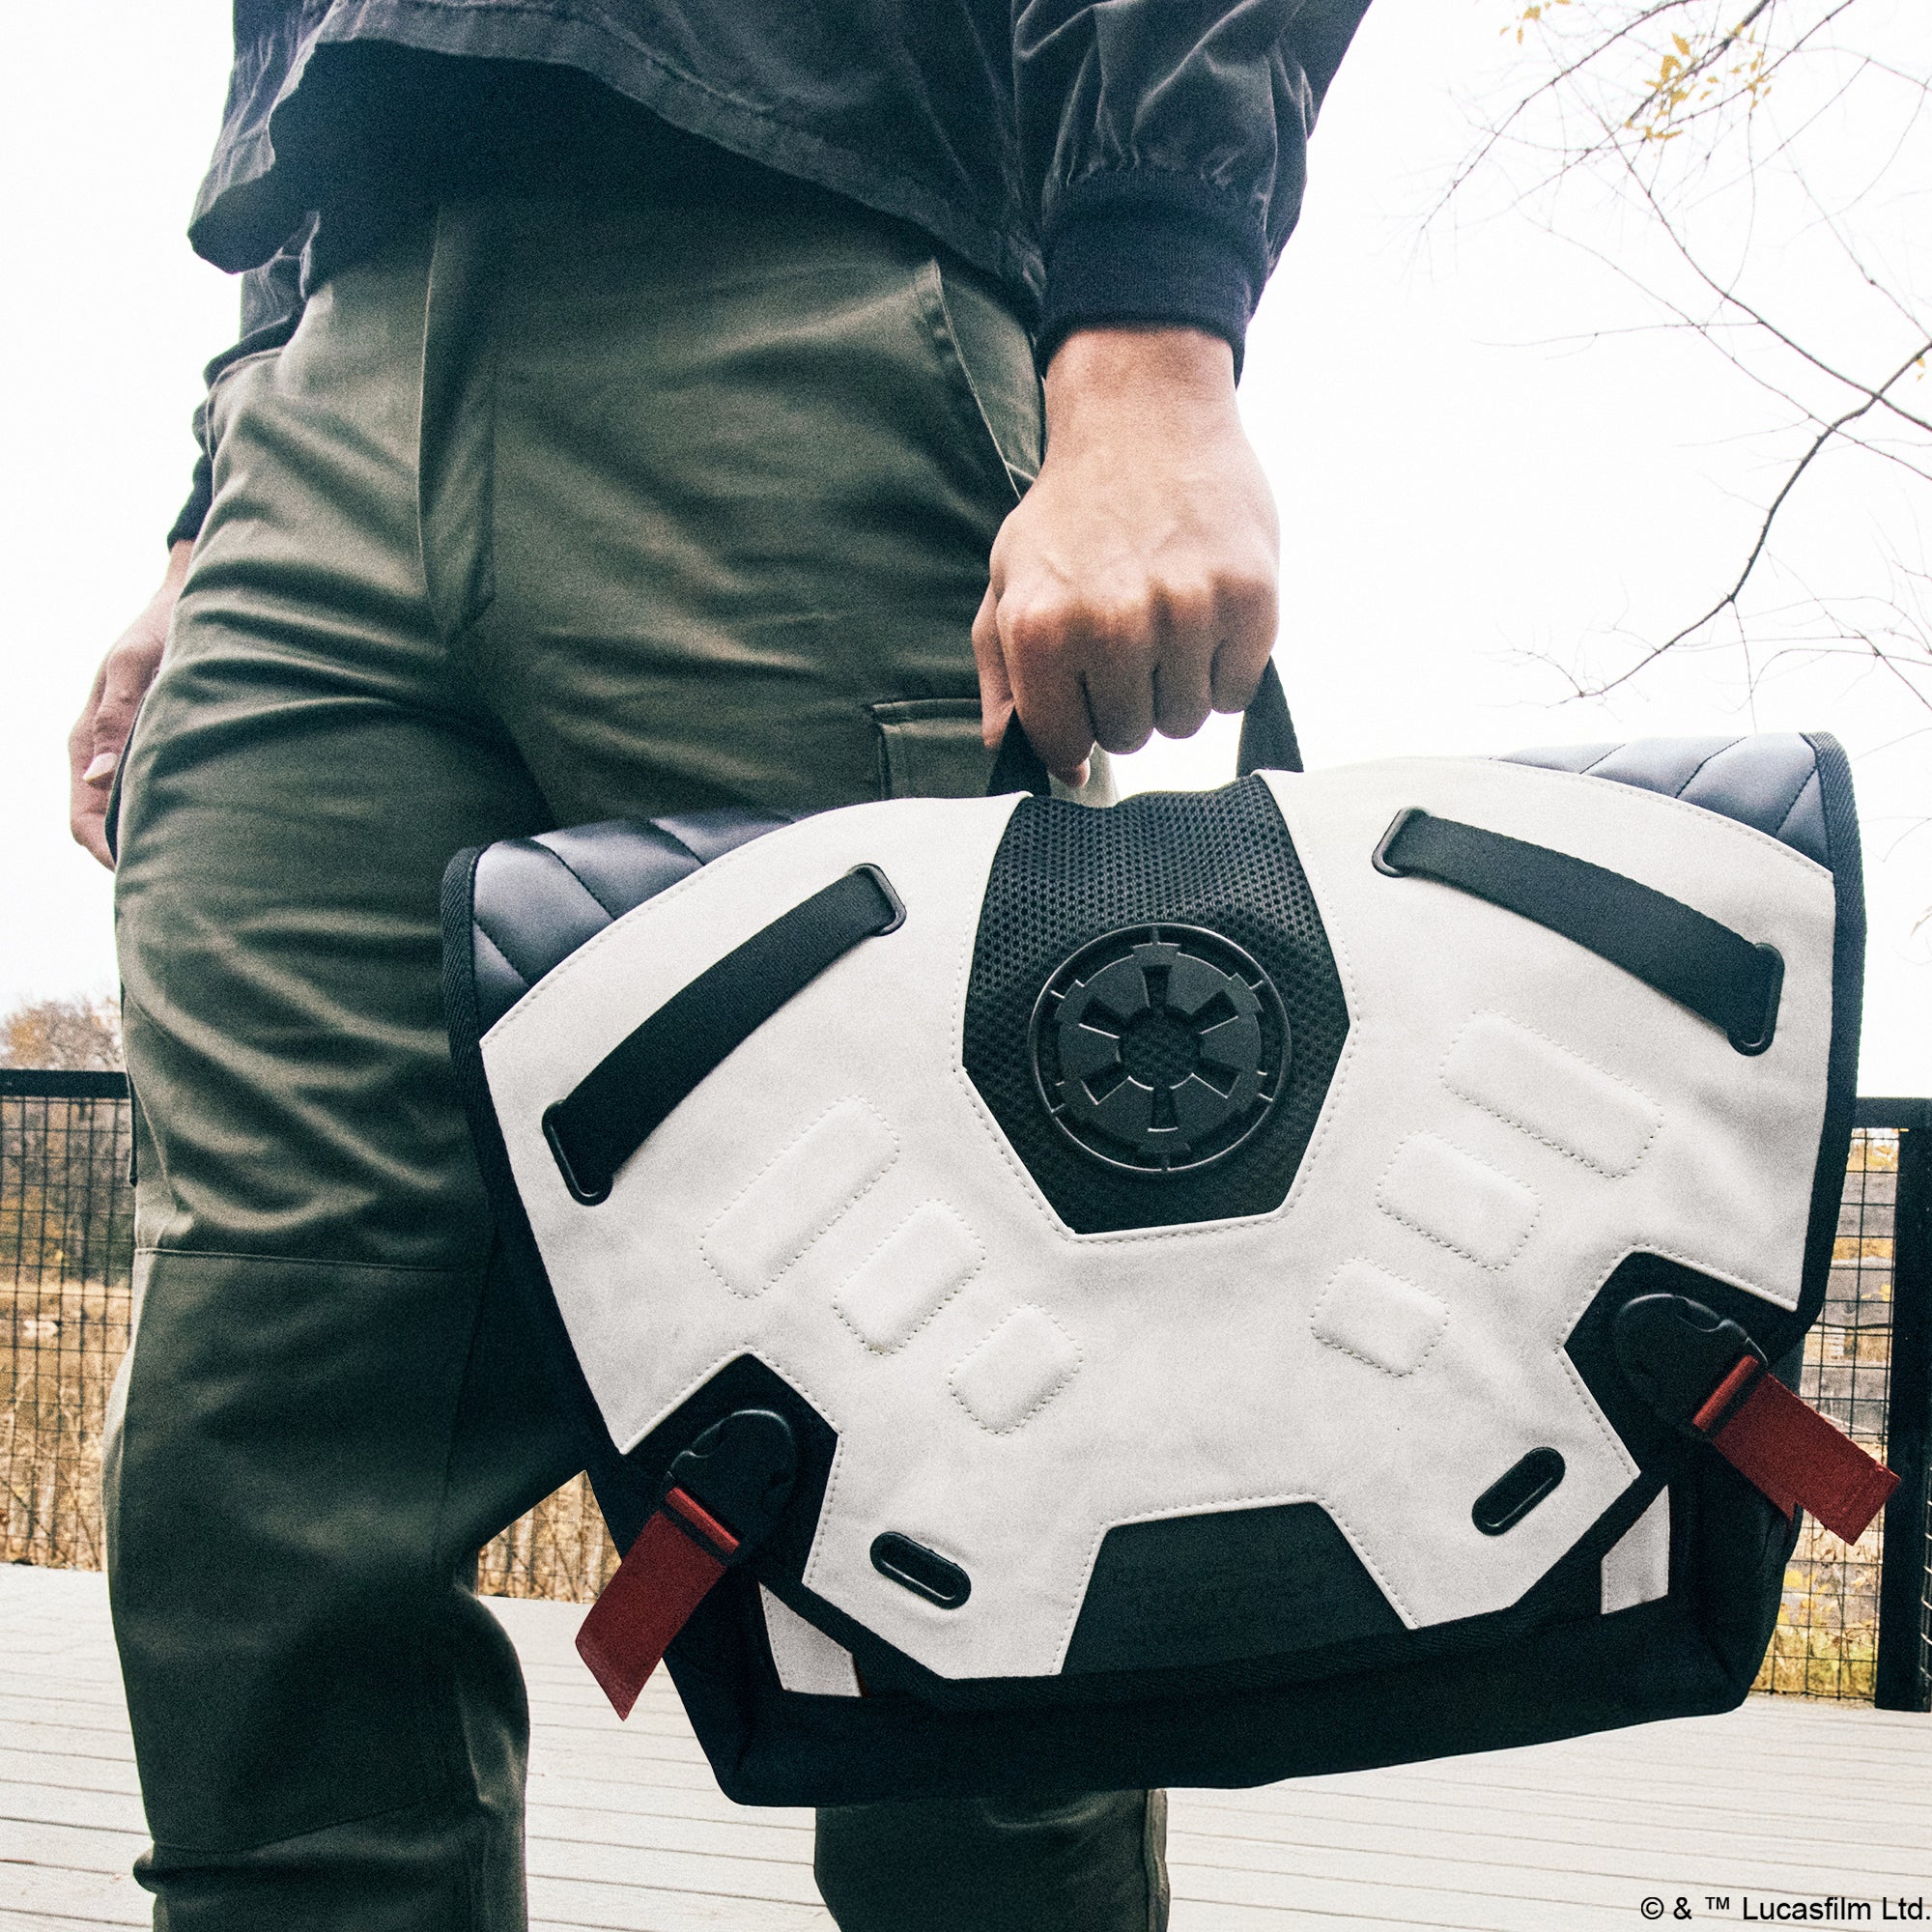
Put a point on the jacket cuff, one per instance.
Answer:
(1156, 248)
(186, 527)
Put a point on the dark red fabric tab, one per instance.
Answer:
(1794, 1455)
(665, 1576)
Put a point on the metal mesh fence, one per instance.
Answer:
(67, 1249)
(66, 1260)
(67, 1243)
(1826, 1644)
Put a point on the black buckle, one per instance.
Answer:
(741, 1470)
(1676, 1353)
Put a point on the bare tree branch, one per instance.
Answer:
(1733, 191)
(1729, 600)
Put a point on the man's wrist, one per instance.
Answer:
(1136, 367)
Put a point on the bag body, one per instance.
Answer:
(1187, 1246)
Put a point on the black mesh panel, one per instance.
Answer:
(1066, 875)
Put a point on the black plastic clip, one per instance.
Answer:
(1762, 1034)
(1380, 858)
(1676, 1353)
(741, 1470)
(894, 905)
(586, 1197)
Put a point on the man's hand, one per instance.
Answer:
(100, 735)
(1134, 588)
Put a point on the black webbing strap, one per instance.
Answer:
(1267, 744)
(1719, 975)
(608, 1115)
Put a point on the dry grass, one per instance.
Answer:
(60, 1344)
(1826, 1644)
(560, 1550)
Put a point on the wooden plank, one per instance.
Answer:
(628, 1832)
(105, 1704)
(1591, 1874)
(78, 1774)
(67, 1847)
(588, 1907)
(719, 1837)
(1466, 1785)
(54, 1706)
(1195, 1915)
(1427, 1838)
(65, 1741)
(61, 1805)
(772, 1881)
(660, 1774)
(622, 1795)
(47, 1896)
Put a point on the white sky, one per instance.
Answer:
(1464, 479)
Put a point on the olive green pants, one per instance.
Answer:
(547, 513)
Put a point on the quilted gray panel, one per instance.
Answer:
(1767, 781)
(536, 901)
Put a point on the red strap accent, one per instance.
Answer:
(665, 1576)
(1794, 1455)
(1720, 1403)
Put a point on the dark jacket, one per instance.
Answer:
(1124, 160)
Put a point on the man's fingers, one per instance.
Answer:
(100, 735)
(996, 687)
(1247, 619)
(1181, 688)
(87, 820)
(1048, 694)
(1118, 680)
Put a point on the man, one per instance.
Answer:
(626, 428)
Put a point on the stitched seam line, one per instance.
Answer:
(1369, 1361)
(310, 1261)
(549, 985)
(1797, 799)
(1442, 1240)
(837, 1213)
(596, 898)
(503, 959)
(933, 1314)
(696, 1382)
(1664, 801)
(1522, 1126)
(1216, 1506)
(1324, 1121)
(1053, 1389)
(1700, 767)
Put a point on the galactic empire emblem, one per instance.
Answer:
(1159, 1048)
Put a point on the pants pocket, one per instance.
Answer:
(930, 748)
(990, 364)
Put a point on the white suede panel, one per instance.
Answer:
(1453, 1198)
(1637, 1567)
(1380, 1318)
(1551, 1094)
(807, 1660)
(1203, 1383)
(906, 1281)
(798, 1197)
(1017, 1370)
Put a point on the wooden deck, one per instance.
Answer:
(1784, 1801)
